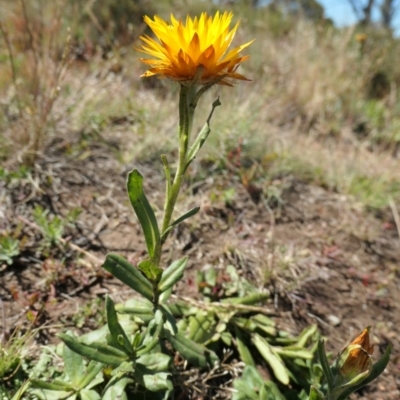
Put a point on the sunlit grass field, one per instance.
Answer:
(322, 103)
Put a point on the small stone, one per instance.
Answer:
(334, 320)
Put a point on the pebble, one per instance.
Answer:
(334, 320)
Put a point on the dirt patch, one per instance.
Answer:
(324, 259)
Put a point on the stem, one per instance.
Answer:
(186, 113)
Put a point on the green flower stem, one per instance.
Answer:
(186, 114)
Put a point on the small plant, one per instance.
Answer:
(76, 382)
(9, 248)
(14, 349)
(52, 227)
(135, 349)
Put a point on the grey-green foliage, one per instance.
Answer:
(78, 381)
(53, 227)
(9, 248)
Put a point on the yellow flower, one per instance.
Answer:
(357, 357)
(361, 37)
(195, 51)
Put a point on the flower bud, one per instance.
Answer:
(356, 358)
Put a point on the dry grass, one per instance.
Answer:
(310, 91)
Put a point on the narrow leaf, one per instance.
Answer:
(275, 363)
(247, 300)
(172, 275)
(323, 360)
(196, 354)
(187, 215)
(306, 334)
(294, 352)
(117, 333)
(128, 274)
(152, 338)
(315, 394)
(99, 352)
(144, 212)
(91, 375)
(73, 365)
(201, 137)
(244, 351)
(55, 385)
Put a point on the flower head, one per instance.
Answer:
(361, 37)
(355, 359)
(196, 51)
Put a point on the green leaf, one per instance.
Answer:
(263, 320)
(55, 385)
(248, 385)
(306, 334)
(247, 300)
(18, 394)
(128, 274)
(152, 338)
(156, 382)
(156, 362)
(245, 391)
(117, 333)
(45, 394)
(377, 370)
(144, 213)
(274, 392)
(117, 389)
(73, 365)
(195, 353)
(275, 363)
(244, 351)
(182, 218)
(86, 394)
(150, 269)
(265, 324)
(164, 296)
(172, 275)
(244, 323)
(294, 352)
(169, 319)
(93, 375)
(99, 352)
(315, 394)
(201, 326)
(201, 137)
(323, 360)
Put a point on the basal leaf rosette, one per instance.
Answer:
(195, 51)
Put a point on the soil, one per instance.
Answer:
(325, 259)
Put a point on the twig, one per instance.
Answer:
(63, 241)
(395, 215)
